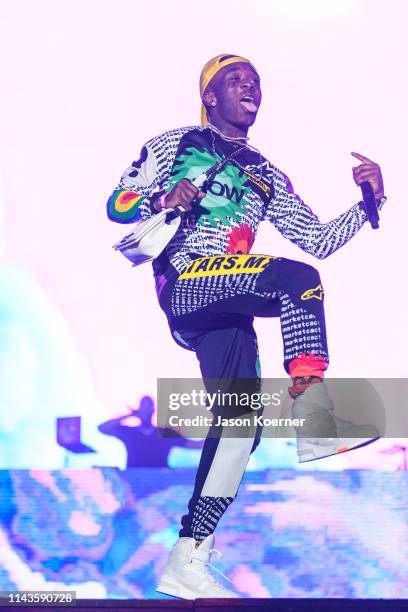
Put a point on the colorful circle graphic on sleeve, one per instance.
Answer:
(126, 200)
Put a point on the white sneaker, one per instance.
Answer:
(187, 573)
(315, 405)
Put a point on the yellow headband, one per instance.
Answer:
(210, 70)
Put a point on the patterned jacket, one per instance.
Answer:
(248, 190)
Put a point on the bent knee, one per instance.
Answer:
(297, 268)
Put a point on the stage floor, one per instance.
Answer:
(106, 533)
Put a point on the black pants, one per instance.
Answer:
(210, 309)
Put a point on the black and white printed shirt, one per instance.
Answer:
(247, 190)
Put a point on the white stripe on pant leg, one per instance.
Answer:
(227, 467)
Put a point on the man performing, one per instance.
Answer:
(143, 445)
(211, 288)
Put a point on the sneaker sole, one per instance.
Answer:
(315, 452)
(175, 590)
(168, 587)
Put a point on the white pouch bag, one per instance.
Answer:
(149, 238)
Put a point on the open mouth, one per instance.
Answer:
(248, 103)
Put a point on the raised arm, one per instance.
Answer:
(113, 426)
(296, 221)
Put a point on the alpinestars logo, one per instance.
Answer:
(316, 292)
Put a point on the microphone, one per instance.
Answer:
(200, 180)
(370, 204)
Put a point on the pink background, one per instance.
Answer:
(85, 83)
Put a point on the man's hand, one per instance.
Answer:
(183, 194)
(371, 172)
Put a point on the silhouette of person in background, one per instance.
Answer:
(144, 446)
